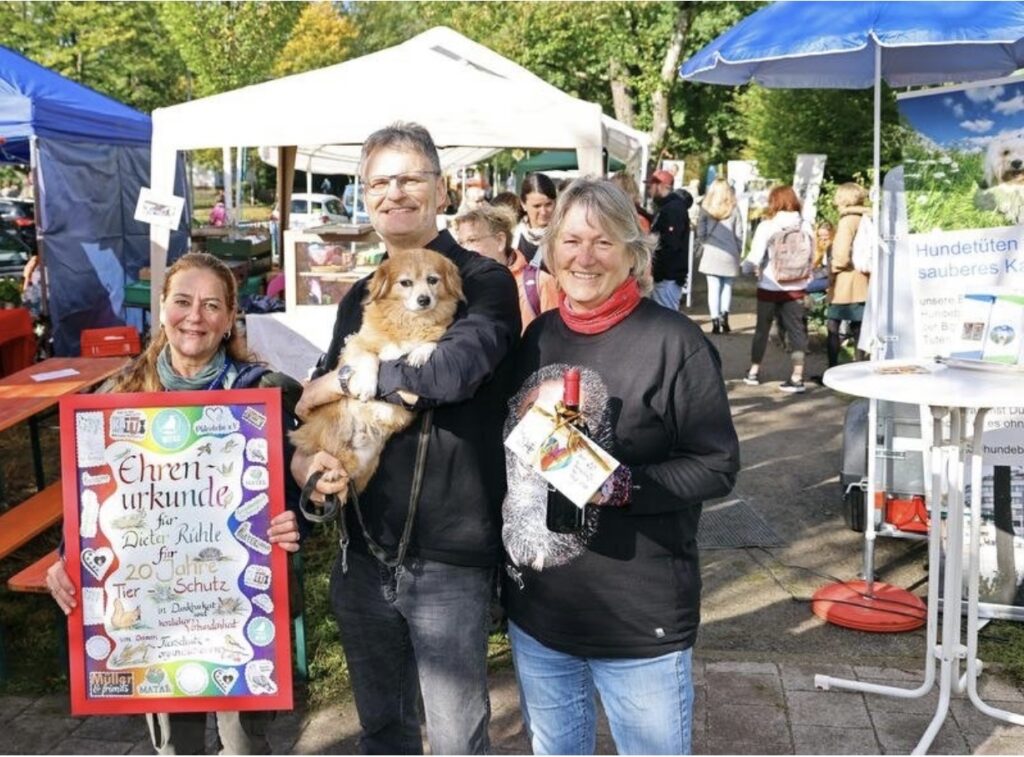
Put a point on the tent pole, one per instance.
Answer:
(40, 211)
(229, 182)
(878, 350)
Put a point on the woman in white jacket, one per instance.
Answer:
(782, 300)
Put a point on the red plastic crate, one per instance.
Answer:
(110, 342)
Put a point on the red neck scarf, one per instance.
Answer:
(623, 301)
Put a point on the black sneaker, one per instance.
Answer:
(751, 379)
(791, 386)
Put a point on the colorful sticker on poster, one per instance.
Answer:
(168, 499)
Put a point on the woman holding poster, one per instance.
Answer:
(646, 386)
(195, 349)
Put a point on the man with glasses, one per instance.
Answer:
(420, 623)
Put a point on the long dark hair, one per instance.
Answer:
(141, 374)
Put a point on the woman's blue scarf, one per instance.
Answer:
(219, 373)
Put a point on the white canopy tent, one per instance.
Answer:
(463, 93)
(344, 159)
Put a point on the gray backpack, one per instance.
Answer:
(790, 253)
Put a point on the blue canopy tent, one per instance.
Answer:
(854, 45)
(91, 156)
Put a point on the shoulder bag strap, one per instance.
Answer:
(530, 275)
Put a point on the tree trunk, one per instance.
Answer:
(622, 99)
(669, 75)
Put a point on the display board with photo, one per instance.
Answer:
(963, 174)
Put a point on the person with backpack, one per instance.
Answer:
(848, 287)
(488, 230)
(781, 256)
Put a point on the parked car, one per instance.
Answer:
(20, 215)
(12, 260)
(312, 210)
(360, 215)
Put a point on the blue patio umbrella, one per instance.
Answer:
(850, 45)
(854, 45)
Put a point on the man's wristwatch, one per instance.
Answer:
(344, 375)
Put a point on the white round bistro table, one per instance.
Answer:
(956, 392)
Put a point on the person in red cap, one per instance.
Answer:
(672, 225)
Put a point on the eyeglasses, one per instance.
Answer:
(413, 181)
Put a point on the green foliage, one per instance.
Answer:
(117, 48)
(227, 45)
(321, 37)
(780, 123)
(1002, 642)
(10, 290)
(942, 189)
(574, 46)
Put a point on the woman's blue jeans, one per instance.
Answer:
(719, 294)
(648, 701)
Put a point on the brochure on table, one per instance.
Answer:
(183, 603)
(960, 262)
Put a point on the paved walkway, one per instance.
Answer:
(741, 708)
(759, 646)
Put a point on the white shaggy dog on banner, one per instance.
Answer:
(1004, 177)
(1004, 161)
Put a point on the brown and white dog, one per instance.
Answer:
(410, 302)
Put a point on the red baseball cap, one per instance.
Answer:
(661, 177)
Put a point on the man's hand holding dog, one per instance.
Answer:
(333, 481)
(317, 392)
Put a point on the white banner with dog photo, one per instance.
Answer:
(963, 174)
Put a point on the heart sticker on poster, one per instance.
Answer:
(97, 561)
(225, 678)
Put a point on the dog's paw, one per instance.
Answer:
(420, 355)
(363, 383)
(391, 351)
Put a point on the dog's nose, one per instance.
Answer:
(1016, 164)
(423, 300)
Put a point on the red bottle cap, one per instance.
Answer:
(571, 388)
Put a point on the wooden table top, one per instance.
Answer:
(21, 397)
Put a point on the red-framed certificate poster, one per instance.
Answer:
(182, 602)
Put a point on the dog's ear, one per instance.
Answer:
(451, 280)
(993, 164)
(380, 282)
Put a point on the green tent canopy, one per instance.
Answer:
(555, 160)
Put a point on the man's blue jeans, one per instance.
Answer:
(422, 627)
(648, 701)
(667, 294)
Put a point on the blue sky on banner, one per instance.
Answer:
(967, 119)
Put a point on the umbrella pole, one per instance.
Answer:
(878, 351)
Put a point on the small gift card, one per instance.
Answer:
(575, 466)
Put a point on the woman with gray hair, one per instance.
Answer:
(487, 230)
(608, 600)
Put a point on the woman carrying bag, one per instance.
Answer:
(720, 235)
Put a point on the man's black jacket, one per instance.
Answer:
(672, 225)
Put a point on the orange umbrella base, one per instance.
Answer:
(889, 609)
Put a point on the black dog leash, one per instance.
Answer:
(332, 506)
